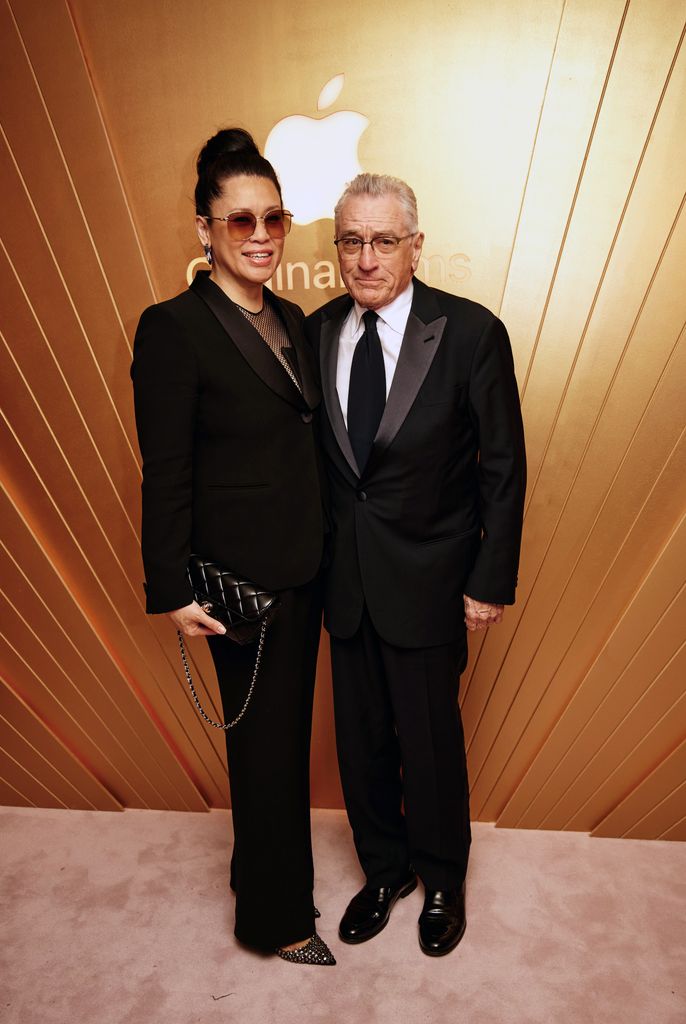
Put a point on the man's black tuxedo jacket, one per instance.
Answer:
(437, 511)
(229, 459)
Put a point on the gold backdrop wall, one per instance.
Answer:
(545, 142)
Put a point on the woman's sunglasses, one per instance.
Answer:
(241, 224)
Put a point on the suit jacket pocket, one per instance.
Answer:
(458, 535)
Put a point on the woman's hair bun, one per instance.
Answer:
(226, 141)
(229, 153)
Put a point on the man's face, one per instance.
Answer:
(375, 280)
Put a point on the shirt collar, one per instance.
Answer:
(395, 314)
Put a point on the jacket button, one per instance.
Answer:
(362, 495)
(306, 417)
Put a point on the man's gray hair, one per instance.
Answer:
(381, 185)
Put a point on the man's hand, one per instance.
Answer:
(481, 614)
(193, 621)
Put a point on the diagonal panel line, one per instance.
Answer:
(575, 197)
(91, 673)
(125, 197)
(40, 757)
(547, 303)
(63, 572)
(98, 260)
(677, 824)
(68, 173)
(585, 454)
(581, 463)
(621, 674)
(570, 490)
(675, 789)
(56, 623)
(592, 599)
(24, 697)
(618, 625)
(578, 559)
(30, 774)
(666, 714)
(54, 437)
(531, 158)
(603, 274)
(70, 300)
(108, 142)
(23, 798)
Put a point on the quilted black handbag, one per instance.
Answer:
(243, 608)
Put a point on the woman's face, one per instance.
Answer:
(242, 265)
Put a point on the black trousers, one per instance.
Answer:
(401, 756)
(268, 757)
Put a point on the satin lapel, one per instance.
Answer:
(417, 351)
(328, 360)
(252, 347)
(299, 356)
(291, 357)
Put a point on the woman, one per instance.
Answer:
(225, 392)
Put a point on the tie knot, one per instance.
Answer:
(369, 319)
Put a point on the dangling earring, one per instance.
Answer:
(208, 254)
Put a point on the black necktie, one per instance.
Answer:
(367, 392)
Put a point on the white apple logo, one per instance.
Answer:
(316, 157)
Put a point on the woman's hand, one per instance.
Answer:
(193, 621)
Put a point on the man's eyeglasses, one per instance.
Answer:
(382, 245)
(242, 223)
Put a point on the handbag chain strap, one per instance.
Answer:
(236, 720)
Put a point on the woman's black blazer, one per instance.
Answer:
(229, 459)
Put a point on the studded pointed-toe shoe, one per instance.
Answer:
(314, 952)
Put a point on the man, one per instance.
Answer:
(424, 449)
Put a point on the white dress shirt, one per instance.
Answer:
(391, 324)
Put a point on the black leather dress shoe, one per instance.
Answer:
(442, 921)
(368, 912)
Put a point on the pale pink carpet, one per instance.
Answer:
(127, 919)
